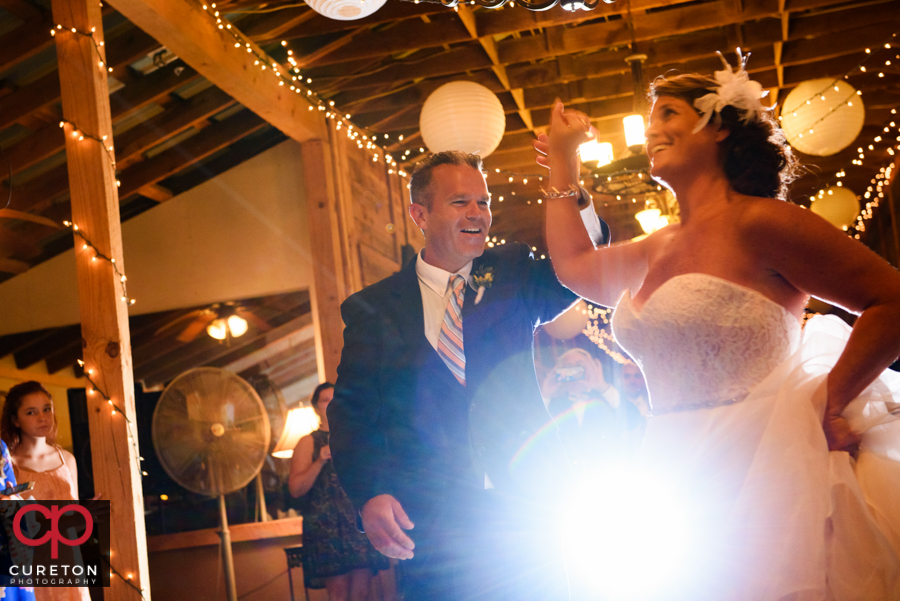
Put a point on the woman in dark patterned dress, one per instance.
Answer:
(336, 555)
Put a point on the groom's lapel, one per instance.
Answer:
(408, 298)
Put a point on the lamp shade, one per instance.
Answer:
(602, 152)
(570, 324)
(838, 205)
(634, 130)
(299, 422)
(345, 10)
(462, 115)
(821, 117)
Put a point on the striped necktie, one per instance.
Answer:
(450, 341)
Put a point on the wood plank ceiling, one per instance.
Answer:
(174, 130)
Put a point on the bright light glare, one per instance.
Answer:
(217, 329)
(602, 152)
(634, 130)
(627, 536)
(651, 220)
(237, 325)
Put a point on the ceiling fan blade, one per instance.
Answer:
(253, 320)
(196, 327)
(178, 323)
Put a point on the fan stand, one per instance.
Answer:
(227, 557)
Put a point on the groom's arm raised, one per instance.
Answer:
(358, 439)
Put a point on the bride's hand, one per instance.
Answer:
(568, 130)
(839, 435)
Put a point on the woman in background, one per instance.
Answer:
(28, 426)
(336, 556)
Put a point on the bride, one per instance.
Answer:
(786, 438)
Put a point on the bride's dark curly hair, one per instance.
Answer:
(756, 156)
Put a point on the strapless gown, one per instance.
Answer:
(735, 388)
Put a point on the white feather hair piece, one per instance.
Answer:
(735, 89)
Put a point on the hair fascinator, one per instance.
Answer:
(735, 89)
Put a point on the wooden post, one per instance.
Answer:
(104, 315)
(329, 289)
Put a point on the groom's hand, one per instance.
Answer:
(382, 519)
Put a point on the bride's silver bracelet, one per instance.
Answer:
(572, 191)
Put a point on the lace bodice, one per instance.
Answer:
(704, 341)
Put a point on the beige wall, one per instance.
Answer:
(239, 235)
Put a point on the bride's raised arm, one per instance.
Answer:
(600, 275)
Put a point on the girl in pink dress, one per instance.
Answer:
(28, 426)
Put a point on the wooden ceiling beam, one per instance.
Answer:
(157, 362)
(191, 33)
(272, 26)
(693, 46)
(441, 30)
(23, 9)
(37, 194)
(40, 94)
(43, 346)
(169, 123)
(196, 148)
(24, 42)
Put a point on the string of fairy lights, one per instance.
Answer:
(96, 389)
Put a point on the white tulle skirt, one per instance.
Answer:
(771, 513)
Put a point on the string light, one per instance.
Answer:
(285, 78)
(599, 335)
(79, 133)
(88, 34)
(87, 244)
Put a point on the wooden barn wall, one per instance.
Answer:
(373, 199)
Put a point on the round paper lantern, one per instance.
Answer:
(462, 115)
(822, 127)
(345, 10)
(838, 205)
(569, 324)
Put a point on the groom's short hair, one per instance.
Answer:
(420, 180)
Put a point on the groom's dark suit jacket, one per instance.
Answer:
(402, 425)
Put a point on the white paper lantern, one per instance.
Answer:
(838, 205)
(462, 115)
(345, 10)
(569, 324)
(822, 127)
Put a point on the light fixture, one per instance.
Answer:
(221, 327)
(462, 115)
(299, 422)
(634, 130)
(237, 325)
(218, 329)
(651, 220)
(602, 152)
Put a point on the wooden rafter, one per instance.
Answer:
(191, 33)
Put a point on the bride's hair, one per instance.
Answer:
(756, 156)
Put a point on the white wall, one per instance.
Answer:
(242, 234)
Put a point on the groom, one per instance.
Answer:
(436, 403)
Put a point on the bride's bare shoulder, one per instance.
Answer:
(764, 217)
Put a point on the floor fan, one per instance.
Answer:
(211, 434)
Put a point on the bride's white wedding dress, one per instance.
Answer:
(737, 409)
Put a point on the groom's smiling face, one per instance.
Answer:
(457, 223)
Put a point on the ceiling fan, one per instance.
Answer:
(222, 321)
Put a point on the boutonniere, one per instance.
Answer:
(482, 278)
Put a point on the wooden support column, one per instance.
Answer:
(104, 315)
(329, 288)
